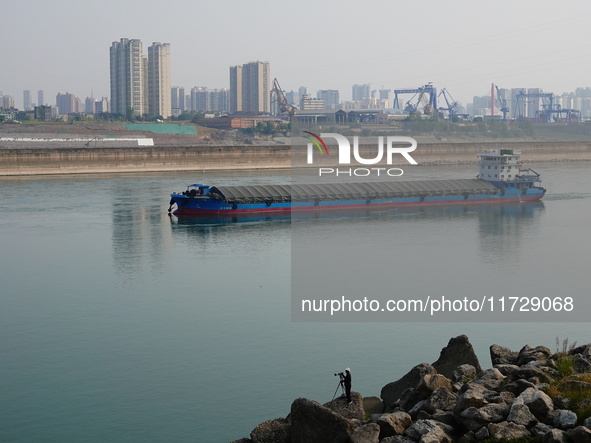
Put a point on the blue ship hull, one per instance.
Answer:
(203, 205)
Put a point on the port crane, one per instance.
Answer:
(452, 105)
(503, 102)
(427, 94)
(278, 98)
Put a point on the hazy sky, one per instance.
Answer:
(464, 46)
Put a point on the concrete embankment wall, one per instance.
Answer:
(39, 161)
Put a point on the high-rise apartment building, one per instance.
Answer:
(174, 97)
(330, 97)
(68, 103)
(40, 99)
(27, 100)
(235, 88)
(250, 87)
(159, 80)
(361, 92)
(127, 77)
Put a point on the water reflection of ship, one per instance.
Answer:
(502, 229)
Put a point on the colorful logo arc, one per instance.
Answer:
(317, 141)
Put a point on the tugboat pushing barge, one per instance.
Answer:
(501, 178)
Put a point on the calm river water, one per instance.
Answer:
(122, 324)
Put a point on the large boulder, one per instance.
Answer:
(511, 430)
(429, 431)
(440, 399)
(490, 379)
(538, 402)
(528, 354)
(393, 424)
(474, 396)
(521, 415)
(564, 419)
(580, 434)
(459, 351)
(464, 373)
(554, 436)
(397, 439)
(373, 405)
(581, 364)
(392, 391)
(351, 410)
(272, 431)
(313, 423)
(424, 389)
(530, 372)
(500, 355)
(369, 433)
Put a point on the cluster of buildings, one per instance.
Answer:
(140, 85)
(533, 104)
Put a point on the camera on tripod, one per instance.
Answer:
(340, 374)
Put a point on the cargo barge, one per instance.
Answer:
(501, 178)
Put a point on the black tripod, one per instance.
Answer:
(342, 385)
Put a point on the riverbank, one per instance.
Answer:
(531, 395)
(24, 161)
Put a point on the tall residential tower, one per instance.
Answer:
(127, 77)
(159, 99)
(250, 87)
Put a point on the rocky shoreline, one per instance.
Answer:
(530, 395)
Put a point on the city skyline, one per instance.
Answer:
(462, 46)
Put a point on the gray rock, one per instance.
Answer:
(393, 424)
(464, 373)
(272, 431)
(583, 349)
(369, 433)
(511, 430)
(581, 364)
(502, 397)
(468, 437)
(495, 412)
(529, 372)
(353, 410)
(472, 419)
(506, 369)
(473, 397)
(564, 419)
(441, 398)
(490, 379)
(393, 391)
(540, 430)
(521, 415)
(502, 355)
(580, 434)
(529, 354)
(313, 423)
(518, 386)
(373, 405)
(458, 351)
(493, 428)
(562, 402)
(482, 433)
(424, 389)
(554, 436)
(429, 431)
(445, 417)
(537, 401)
(397, 439)
(587, 422)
